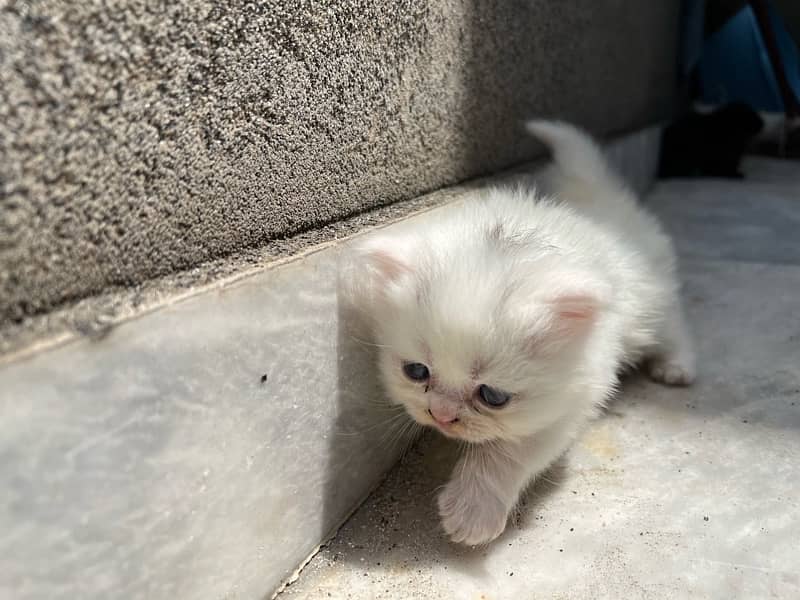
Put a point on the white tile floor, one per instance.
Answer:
(675, 493)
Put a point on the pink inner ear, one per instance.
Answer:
(574, 314)
(390, 267)
(567, 306)
(576, 307)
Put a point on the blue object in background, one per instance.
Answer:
(735, 65)
(693, 14)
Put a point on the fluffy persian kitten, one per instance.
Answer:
(505, 321)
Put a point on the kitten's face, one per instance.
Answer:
(471, 382)
(480, 339)
(474, 349)
(451, 395)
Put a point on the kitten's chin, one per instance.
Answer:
(448, 430)
(454, 431)
(464, 436)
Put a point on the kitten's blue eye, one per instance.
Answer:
(492, 397)
(416, 371)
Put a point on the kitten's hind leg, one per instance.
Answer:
(672, 361)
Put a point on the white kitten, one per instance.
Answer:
(505, 321)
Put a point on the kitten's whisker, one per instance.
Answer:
(383, 404)
(371, 344)
(391, 420)
(468, 457)
(413, 434)
(499, 447)
(395, 433)
(438, 489)
(401, 435)
(546, 479)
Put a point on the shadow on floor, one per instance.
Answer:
(405, 526)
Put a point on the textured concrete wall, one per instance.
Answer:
(140, 137)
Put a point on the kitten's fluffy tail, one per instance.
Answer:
(575, 153)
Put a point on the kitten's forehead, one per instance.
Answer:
(455, 312)
(466, 287)
(456, 354)
(466, 346)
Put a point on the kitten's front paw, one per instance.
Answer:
(672, 371)
(470, 516)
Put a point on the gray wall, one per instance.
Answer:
(147, 138)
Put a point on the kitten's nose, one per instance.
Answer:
(443, 418)
(444, 410)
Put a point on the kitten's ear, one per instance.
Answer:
(385, 259)
(371, 268)
(385, 264)
(575, 301)
(564, 306)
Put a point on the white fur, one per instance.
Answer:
(547, 299)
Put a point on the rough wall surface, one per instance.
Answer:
(138, 138)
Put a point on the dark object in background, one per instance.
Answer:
(709, 145)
